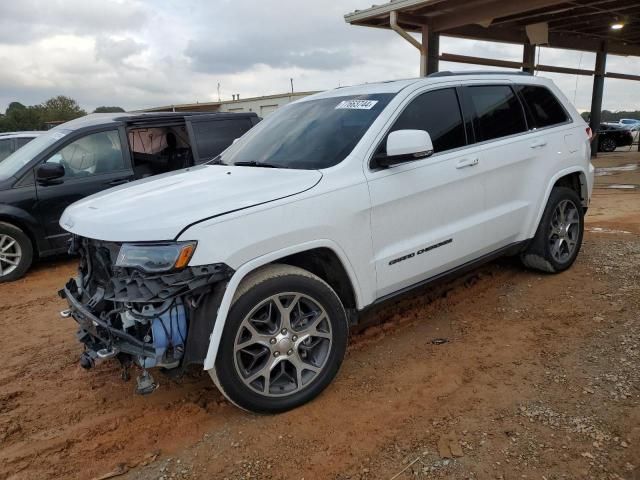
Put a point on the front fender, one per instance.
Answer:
(250, 266)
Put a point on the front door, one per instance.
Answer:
(427, 215)
(92, 163)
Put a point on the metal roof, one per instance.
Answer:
(576, 24)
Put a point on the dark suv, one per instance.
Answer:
(90, 154)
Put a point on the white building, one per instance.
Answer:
(263, 106)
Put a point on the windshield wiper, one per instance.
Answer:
(253, 163)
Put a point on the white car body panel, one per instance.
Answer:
(469, 202)
(178, 199)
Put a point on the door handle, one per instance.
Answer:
(467, 162)
(120, 181)
(539, 144)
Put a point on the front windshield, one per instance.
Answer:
(14, 162)
(314, 134)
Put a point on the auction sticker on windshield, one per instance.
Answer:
(356, 105)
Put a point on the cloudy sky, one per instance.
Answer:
(138, 53)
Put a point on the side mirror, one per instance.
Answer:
(50, 173)
(405, 146)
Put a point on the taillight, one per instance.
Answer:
(589, 133)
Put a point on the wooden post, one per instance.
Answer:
(431, 47)
(596, 96)
(529, 58)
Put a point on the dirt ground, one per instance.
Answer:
(538, 377)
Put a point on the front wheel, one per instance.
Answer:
(559, 236)
(284, 340)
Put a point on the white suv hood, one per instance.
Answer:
(159, 208)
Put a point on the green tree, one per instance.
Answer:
(19, 117)
(61, 108)
(108, 110)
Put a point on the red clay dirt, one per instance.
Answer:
(538, 377)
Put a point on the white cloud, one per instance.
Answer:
(142, 53)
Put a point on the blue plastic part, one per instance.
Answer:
(168, 330)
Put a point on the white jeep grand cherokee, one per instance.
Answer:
(256, 264)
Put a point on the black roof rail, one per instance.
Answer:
(153, 117)
(475, 72)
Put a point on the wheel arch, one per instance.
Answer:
(575, 178)
(576, 181)
(22, 221)
(308, 256)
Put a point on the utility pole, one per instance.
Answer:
(291, 79)
(218, 91)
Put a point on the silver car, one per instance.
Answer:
(12, 141)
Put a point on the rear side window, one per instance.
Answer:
(22, 141)
(437, 112)
(213, 137)
(545, 109)
(5, 148)
(497, 112)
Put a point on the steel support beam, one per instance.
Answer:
(529, 58)
(596, 97)
(489, 62)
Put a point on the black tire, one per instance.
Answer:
(256, 289)
(26, 253)
(538, 255)
(608, 145)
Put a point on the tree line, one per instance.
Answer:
(18, 117)
(609, 116)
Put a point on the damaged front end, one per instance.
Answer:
(139, 304)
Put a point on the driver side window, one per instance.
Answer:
(92, 154)
(437, 112)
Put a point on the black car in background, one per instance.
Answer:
(613, 136)
(90, 154)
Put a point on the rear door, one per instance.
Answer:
(211, 134)
(507, 151)
(93, 162)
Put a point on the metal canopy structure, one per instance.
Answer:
(600, 26)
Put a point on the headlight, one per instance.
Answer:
(158, 257)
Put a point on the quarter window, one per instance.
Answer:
(437, 112)
(213, 137)
(544, 107)
(5, 148)
(498, 112)
(22, 141)
(91, 155)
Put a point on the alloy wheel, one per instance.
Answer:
(10, 254)
(283, 344)
(608, 145)
(564, 231)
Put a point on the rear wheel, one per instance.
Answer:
(608, 145)
(283, 342)
(559, 236)
(16, 252)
